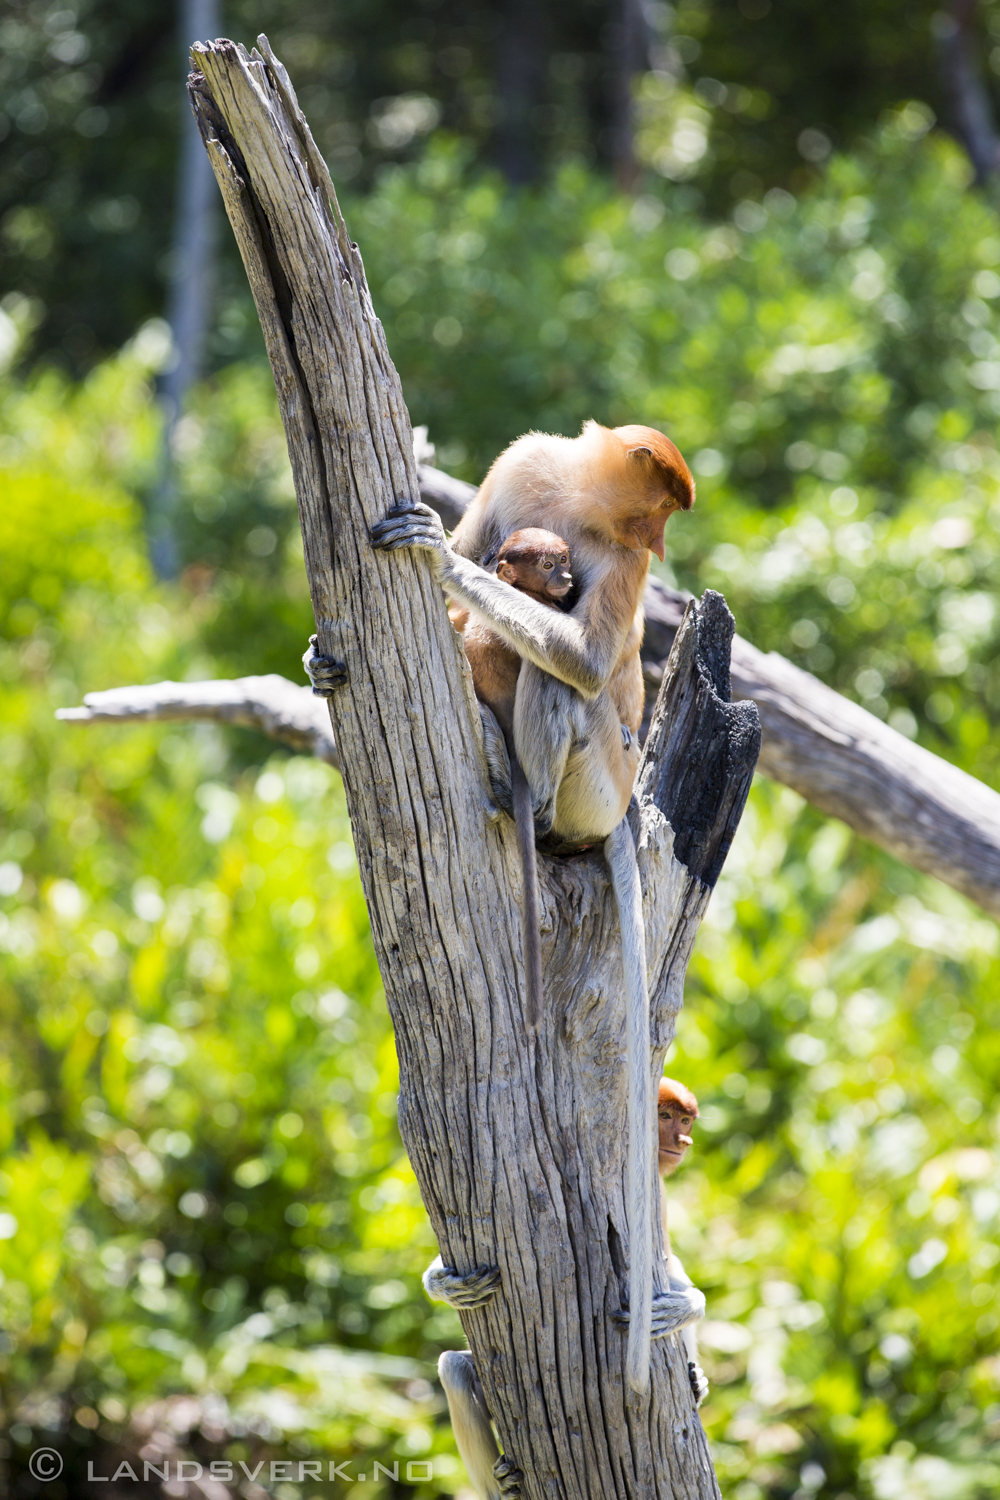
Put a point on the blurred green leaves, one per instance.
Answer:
(203, 1196)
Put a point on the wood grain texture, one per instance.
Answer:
(517, 1142)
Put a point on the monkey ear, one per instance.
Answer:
(673, 471)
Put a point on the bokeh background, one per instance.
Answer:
(769, 229)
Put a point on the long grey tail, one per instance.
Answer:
(619, 851)
(524, 819)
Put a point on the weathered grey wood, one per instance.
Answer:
(516, 1141)
(849, 764)
(272, 704)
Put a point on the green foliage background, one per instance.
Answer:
(209, 1228)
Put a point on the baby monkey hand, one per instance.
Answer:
(325, 674)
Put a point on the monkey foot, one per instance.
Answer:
(509, 1478)
(497, 760)
(325, 673)
(626, 737)
(699, 1382)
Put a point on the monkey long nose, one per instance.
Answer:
(650, 534)
(685, 1140)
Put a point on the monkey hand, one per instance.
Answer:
(325, 674)
(672, 1310)
(412, 524)
(626, 737)
(676, 1309)
(508, 1478)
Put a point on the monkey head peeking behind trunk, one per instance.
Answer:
(607, 494)
(677, 1110)
(497, 1478)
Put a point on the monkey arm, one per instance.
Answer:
(690, 1302)
(470, 1421)
(680, 1280)
(491, 1476)
(580, 649)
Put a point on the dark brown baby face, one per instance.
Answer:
(536, 562)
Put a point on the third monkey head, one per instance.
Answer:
(536, 562)
(677, 1110)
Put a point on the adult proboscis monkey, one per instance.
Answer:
(538, 564)
(608, 494)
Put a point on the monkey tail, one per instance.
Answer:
(524, 819)
(619, 851)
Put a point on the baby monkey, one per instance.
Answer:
(536, 563)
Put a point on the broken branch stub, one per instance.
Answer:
(516, 1141)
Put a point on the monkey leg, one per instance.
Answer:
(325, 674)
(547, 723)
(497, 760)
(599, 772)
(470, 1422)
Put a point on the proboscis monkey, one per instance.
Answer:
(536, 562)
(608, 493)
(677, 1110)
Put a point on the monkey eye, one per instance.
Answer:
(548, 565)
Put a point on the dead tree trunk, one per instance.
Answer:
(516, 1142)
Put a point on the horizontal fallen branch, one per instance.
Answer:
(272, 704)
(842, 759)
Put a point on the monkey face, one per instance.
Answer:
(657, 482)
(674, 1128)
(554, 570)
(647, 531)
(536, 562)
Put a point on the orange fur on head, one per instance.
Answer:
(638, 479)
(672, 1092)
(647, 446)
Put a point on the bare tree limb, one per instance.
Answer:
(846, 762)
(271, 704)
(972, 113)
